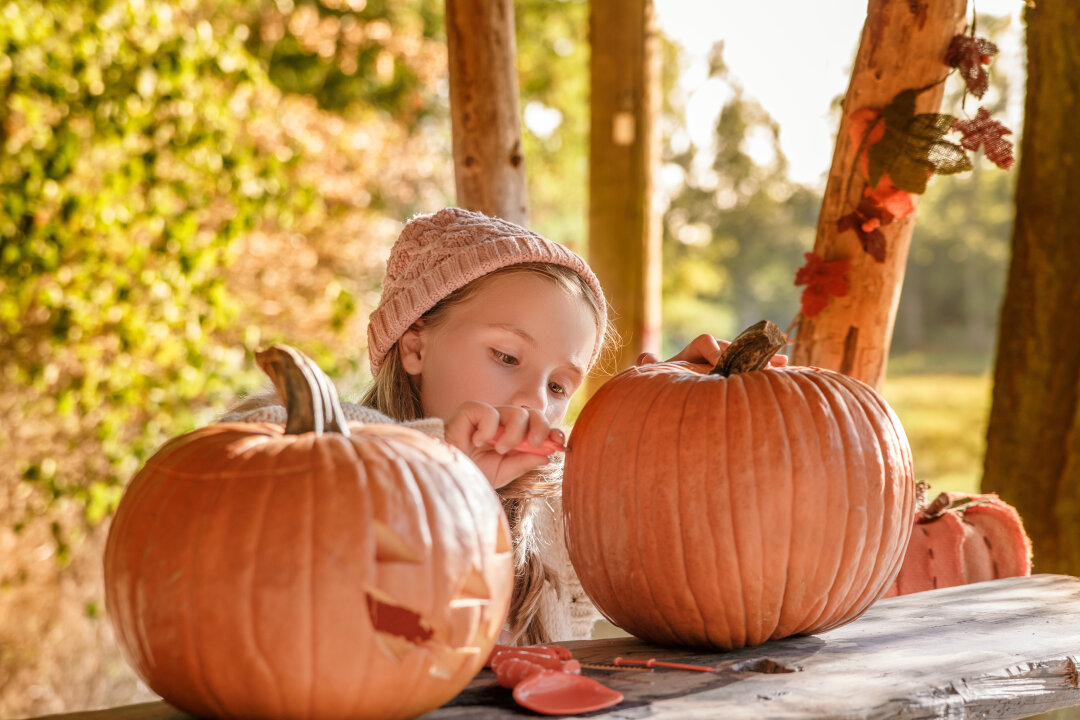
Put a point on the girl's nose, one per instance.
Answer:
(530, 397)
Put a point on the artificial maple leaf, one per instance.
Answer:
(823, 280)
(988, 132)
(866, 221)
(912, 148)
(865, 128)
(970, 54)
(899, 203)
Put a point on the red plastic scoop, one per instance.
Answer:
(550, 692)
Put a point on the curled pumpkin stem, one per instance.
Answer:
(310, 398)
(751, 350)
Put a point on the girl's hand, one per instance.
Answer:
(704, 350)
(490, 436)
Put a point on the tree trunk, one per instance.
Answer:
(1033, 442)
(903, 47)
(624, 227)
(489, 167)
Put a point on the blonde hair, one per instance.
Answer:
(394, 393)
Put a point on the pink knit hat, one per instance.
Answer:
(437, 254)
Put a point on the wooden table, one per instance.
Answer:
(1002, 649)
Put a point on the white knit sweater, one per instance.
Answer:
(567, 614)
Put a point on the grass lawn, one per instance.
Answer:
(945, 418)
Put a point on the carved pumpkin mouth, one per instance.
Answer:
(396, 620)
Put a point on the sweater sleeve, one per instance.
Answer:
(266, 407)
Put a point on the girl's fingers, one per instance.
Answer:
(514, 422)
(525, 431)
(539, 431)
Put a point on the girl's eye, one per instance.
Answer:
(504, 358)
(556, 389)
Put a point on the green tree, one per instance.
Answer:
(128, 168)
(736, 227)
(955, 276)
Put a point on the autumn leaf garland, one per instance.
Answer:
(897, 152)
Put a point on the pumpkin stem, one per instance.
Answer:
(311, 400)
(751, 350)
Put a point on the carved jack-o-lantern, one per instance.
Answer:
(259, 571)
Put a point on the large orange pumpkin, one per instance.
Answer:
(322, 570)
(729, 507)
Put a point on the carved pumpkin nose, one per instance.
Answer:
(322, 570)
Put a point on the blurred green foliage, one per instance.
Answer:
(945, 417)
(736, 227)
(128, 169)
(346, 53)
(553, 73)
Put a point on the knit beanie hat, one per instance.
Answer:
(439, 253)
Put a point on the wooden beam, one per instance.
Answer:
(903, 46)
(489, 162)
(624, 226)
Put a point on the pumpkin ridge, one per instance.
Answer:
(741, 630)
(682, 557)
(853, 431)
(885, 425)
(236, 520)
(591, 501)
(795, 595)
(259, 516)
(872, 553)
(478, 533)
(194, 647)
(813, 397)
(859, 440)
(716, 421)
(573, 491)
(148, 548)
(656, 390)
(751, 550)
(324, 467)
(766, 515)
(365, 549)
(694, 508)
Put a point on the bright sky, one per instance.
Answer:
(794, 57)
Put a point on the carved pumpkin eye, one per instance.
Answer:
(259, 571)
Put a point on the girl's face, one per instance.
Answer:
(520, 340)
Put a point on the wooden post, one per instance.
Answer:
(903, 46)
(624, 227)
(489, 164)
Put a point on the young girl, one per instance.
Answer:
(483, 333)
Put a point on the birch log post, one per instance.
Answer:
(624, 225)
(903, 46)
(489, 162)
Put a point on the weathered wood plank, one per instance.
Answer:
(1002, 649)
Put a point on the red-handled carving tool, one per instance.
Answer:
(547, 447)
(653, 662)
